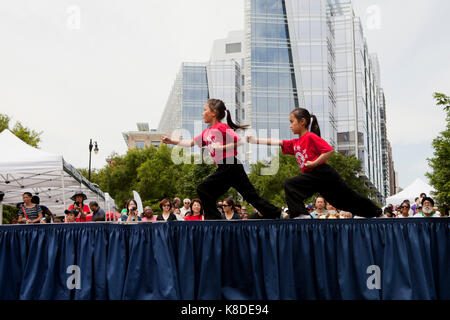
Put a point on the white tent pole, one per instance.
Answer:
(64, 194)
(1, 213)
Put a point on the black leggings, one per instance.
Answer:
(325, 180)
(232, 174)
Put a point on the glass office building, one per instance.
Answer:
(194, 85)
(312, 54)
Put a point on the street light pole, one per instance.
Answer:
(90, 153)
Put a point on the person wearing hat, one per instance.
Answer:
(427, 209)
(79, 206)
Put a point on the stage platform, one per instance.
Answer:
(375, 259)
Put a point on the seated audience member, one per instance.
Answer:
(415, 205)
(124, 210)
(177, 213)
(238, 207)
(284, 213)
(220, 206)
(404, 210)
(165, 205)
(244, 210)
(229, 210)
(29, 212)
(196, 212)
(46, 213)
(98, 214)
(427, 209)
(320, 208)
(148, 215)
(84, 213)
(132, 214)
(310, 208)
(176, 203)
(345, 215)
(332, 212)
(185, 208)
(71, 216)
(388, 213)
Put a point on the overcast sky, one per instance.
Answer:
(77, 70)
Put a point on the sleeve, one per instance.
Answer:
(70, 207)
(288, 147)
(20, 212)
(198, 140)
(321, 145)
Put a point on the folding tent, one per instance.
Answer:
(24, 168)
(410, 193)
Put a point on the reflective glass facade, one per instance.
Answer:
(195, 84)
(312, 54)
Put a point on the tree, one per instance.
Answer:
(440, 163)
(152, 173)
(27, 135)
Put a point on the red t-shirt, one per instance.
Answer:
(306, 148)
(221, 134)
(194, 218)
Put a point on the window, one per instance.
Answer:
(233, 47)
(140, 144)
(243, 96)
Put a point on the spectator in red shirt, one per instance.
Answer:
(82, 209)
(196, 212)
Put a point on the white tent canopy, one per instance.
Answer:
(410, 192)
(24, 168)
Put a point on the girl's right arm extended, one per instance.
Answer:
(181, 143)
(269, 142)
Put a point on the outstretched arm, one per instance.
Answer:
(269, 142)
(181, 143)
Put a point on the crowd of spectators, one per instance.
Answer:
(32, 211)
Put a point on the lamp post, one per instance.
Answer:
(90, 152)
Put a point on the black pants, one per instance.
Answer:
(232, 175)
(325, 180)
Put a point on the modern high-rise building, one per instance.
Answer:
(296, 53)
(194, 85)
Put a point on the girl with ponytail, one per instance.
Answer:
(222, 143)
(312, 152)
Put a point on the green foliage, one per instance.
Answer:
(9, 213)
(440, 163)
(271, 186)
(152, 173)
(27, 135)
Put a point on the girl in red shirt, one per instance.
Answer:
(311, 153)
(222, 143)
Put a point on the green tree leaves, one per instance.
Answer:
(27, 135)
(440, 163)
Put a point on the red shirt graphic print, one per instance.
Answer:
(306, 148)
(220, 134)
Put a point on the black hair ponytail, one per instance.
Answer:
(315, 125)
(300, 113)
(222, 111)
